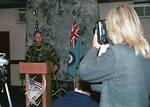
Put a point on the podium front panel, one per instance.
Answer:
(38, 68)
(34, 68)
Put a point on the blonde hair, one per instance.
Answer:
(124, 27)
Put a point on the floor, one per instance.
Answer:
(17, 94)
(17, 97)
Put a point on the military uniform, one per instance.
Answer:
(43, 53)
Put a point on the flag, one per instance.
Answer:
(36, 26)
(74, 35)
(75, 52)
(35, 90)
(37, 85)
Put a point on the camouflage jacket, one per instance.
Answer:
(43, 53)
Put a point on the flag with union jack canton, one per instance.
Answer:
(75, 52)
(74, 35)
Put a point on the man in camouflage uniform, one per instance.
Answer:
(42, 52)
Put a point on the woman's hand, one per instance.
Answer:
(103, 49)
(95, 43)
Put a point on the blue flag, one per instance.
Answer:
(75, 52)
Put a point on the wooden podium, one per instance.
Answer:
(38, 68)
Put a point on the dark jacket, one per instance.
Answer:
(125, 77)
(74, 99)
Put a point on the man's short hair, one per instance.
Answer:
(36, 33)
(84, 85)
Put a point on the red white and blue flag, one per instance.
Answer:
(36, 26)
(75, 52)
(35, 90)
(74, 35)
(37, 85)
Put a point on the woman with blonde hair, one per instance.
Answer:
(124, 69)
(124, 27)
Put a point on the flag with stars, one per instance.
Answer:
(36, 26)
(35, 91)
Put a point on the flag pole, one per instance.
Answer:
(74, 51)
(73, 20)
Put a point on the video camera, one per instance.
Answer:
(102, 37)
(3, 71)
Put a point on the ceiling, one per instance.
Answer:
(12, 3)
(110, 1)
(22, 3)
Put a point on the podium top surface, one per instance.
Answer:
(35, 68)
